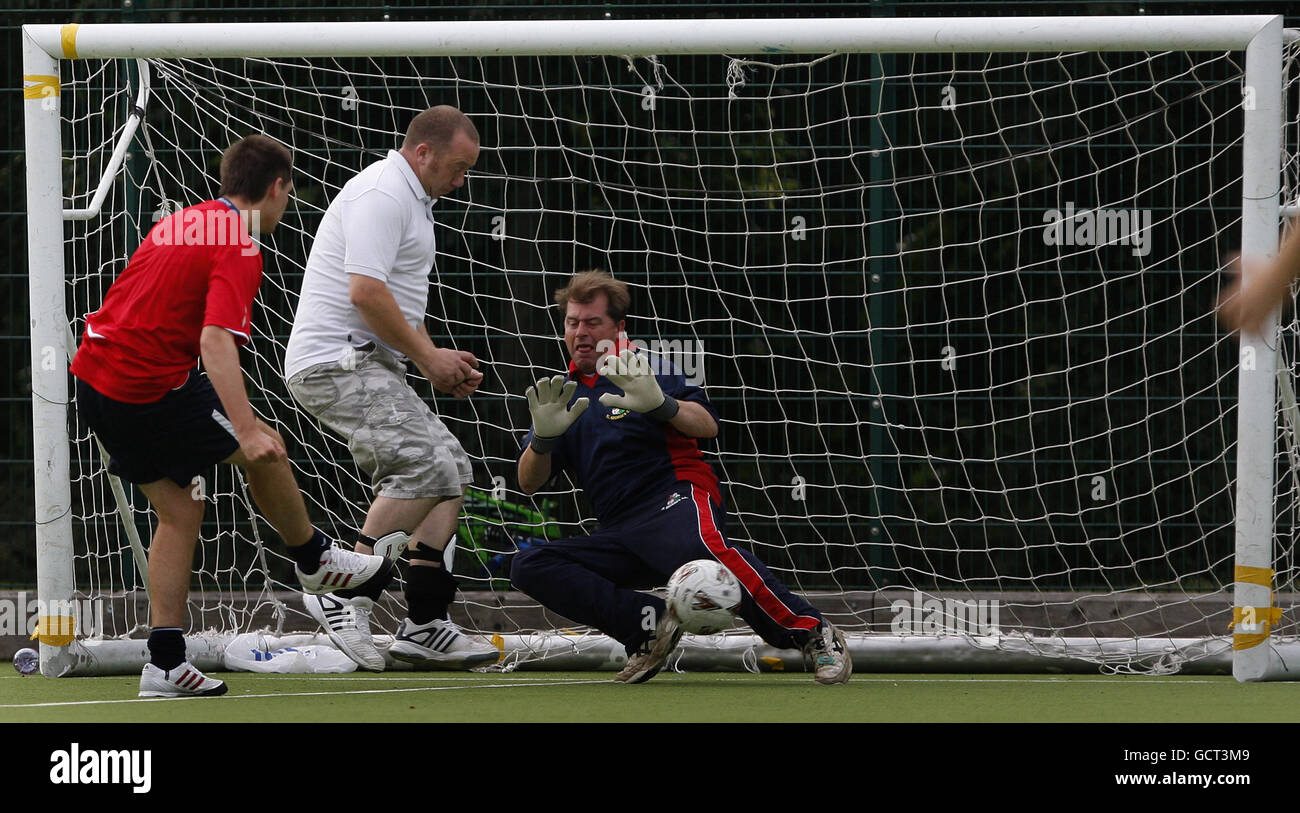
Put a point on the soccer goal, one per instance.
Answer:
(949, 282)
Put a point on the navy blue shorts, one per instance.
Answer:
(176, 437)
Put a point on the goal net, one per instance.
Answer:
(956, 311)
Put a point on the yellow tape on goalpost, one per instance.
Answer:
(55, 630)
(1263, 618)
(68, 38)
(40, 87)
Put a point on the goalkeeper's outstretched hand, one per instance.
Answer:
(630, 371)
(1246, 307)
(548, 401)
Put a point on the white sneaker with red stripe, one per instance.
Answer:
(347, 622)
(344, 569)
(183, 681)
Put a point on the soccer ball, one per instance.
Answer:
(704, 596)
(27, 661)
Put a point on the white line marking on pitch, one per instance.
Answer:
(356, 676)
(1151, 680)
(305, 694)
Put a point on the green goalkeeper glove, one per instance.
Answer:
(630, 371)
(548, 402)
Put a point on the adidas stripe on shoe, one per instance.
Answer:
(347, 623)
(340, 569)
(440, 645)
(183, 681)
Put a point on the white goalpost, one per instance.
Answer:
(949, 282)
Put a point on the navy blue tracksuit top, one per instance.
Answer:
(619, 457)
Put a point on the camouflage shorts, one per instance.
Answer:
(404, 448)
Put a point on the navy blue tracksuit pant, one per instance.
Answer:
(591, 579)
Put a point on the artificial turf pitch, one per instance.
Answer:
(591, 697)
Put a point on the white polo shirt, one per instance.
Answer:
(380, 226)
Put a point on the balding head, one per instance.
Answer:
(441, 145)
(437, 126)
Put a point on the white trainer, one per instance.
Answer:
(829, 654)
(183, 681)
(440, 645)
(340, 569)
(347, 622)
(643, 665)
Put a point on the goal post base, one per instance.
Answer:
(746, 652)
(1274, 660)
(127, 656)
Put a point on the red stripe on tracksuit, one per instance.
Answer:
(688, 462)
(766, 600)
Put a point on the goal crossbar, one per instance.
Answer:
(644, 37)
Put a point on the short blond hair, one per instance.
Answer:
(584, 286)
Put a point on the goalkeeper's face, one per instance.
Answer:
(589, 333)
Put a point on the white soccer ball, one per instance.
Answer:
(704, 596)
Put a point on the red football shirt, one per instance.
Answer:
(197, 267)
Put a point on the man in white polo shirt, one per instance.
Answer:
(360, 319)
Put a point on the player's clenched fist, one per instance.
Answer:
(451, 371)
(261, 447)
(548, 401)
(630, 371)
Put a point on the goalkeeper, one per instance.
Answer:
(630, 439)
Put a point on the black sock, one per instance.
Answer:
(429, 591)
(307, 555)
(166, 647)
